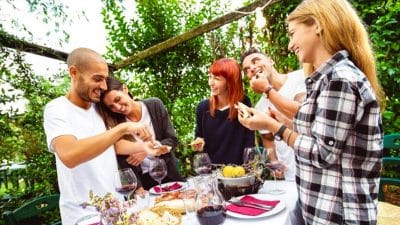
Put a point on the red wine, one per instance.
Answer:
(211, 215)
(126, 189)
(158, 175)
(203, 170)
(275, 166)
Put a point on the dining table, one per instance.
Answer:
(282, 217)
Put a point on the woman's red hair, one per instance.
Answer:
(230, 70)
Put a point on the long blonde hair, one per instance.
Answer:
(341, 29)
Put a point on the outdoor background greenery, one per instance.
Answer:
(177, 76)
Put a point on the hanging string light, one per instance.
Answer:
(260, 19)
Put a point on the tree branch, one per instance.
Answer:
(212, 25)
(10, 41)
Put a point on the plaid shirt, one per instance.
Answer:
(339, 147)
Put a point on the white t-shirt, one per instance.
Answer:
(146, 119)
(293, 85)
(62, 117)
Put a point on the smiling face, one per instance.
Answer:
(218, 85)
(252, 64)
(304, 41)
(90, 81)
(118, 102)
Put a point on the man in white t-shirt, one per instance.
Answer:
(76, 134)
(290, 86)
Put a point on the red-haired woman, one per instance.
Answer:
(217, 127)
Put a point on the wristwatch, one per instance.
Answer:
(267, 90)
(279, 133)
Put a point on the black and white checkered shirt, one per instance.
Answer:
(339, 149)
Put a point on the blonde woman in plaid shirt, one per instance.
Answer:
(337, 131)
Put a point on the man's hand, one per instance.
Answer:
(139, 130)
(259, 83)
(136, 158)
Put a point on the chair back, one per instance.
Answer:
(390, 141)
(31, 209)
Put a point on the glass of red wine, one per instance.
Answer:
(202, 163)
(158, 170)
(274, 167)
(253, 160)
(125, 182)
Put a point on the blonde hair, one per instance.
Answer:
(341, 28)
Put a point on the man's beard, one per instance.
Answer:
(84, 94)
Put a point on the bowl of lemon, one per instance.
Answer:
(231, 175)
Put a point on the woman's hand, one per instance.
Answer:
(280, 117)
(257, 120)
(136, 158)
(160, 148)
(198, 144)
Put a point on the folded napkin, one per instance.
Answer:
(245, 210)
(171, 187)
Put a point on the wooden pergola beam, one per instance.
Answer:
(10, 41)
(212, 25)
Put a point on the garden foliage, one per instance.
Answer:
(178, 76)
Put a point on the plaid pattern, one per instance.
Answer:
(339, 150)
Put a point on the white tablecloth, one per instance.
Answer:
(281, 218)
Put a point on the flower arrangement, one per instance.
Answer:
(112, 212)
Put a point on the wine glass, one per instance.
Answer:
(202, 163)
(274, 167)
(158, 170)
(251, 154)
(125, 182)
(253, 160)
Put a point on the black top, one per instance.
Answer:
(224, 139)
(165, 133)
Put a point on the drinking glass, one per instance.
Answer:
(253, 160)
(125, 182)
(251, 154)
(274, 167)
(189, 199)
(202, 163)
(158, 170)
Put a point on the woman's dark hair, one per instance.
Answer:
(110, 118)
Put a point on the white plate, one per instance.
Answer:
(279, 207)
(183, 185)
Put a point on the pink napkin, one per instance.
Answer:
(171, 187)
(251, 211)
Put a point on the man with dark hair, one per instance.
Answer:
(274, 86)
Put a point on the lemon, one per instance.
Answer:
(238, 171)
(228, 171)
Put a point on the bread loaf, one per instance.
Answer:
(175, 204)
